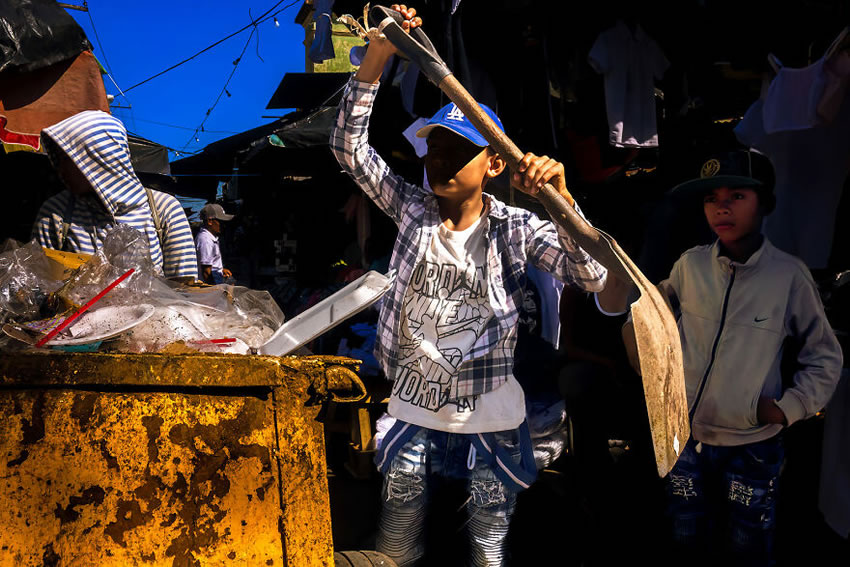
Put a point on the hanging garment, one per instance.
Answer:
(630, 63)
(811, 166)
(420, 145)
(322, 47)
(804, 98)
(550, 290)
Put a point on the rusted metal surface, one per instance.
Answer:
(46, 368)
(157, 460)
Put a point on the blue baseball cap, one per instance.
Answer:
(451, 117)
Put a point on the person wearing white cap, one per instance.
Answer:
(210, 267)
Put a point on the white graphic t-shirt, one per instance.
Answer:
(446, 308)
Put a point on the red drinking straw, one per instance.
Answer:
(82, 309)
(214, 341)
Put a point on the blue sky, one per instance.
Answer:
(140, 39)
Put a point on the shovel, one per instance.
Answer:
(657, 335)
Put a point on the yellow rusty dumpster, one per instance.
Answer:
(153, 459)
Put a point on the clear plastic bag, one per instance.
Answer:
(124, 248)
(25, 282)
(221, 318)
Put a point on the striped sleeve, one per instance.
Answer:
(178, 245)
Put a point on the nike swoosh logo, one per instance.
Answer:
(757, 320)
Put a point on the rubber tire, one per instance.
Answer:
(363, 558)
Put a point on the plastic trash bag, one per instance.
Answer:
(124, 248)
(221, 318)
(37, 33)
(25, 282)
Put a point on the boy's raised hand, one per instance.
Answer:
(381, 49)
(535, 171)
(411, 20)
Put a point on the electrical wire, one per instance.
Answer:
(265, 16)
(108, 69)
(97, 37)
(268, 14)
(236, 63)
(183, 127)
(178, 152)
(223, 90)
(103, 51)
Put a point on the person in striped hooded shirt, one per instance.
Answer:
(90, 153)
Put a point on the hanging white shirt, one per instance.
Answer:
(630, 63)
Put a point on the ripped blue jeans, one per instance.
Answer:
(409, 484)
(724, 498)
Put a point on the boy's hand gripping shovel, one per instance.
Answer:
(657, 336)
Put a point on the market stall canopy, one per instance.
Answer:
(37, 33)
(289, 143)
(147, 156)
(47, 71)
(308, 90)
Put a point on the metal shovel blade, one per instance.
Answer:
(662, 371)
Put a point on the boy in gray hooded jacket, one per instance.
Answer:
(741, 304)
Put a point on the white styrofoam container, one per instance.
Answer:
(328, 313)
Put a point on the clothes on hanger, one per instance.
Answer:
(811, 166)
(801, 124)
(804, 98)
(322, 47)
(630, 63)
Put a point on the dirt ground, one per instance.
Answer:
(558, 522)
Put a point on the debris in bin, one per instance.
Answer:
(214, 342)
(136, 310)
(103, 324)
(25, 283)
(73, 317)
(44, 326)
(88, 347)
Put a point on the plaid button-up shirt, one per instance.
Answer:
(514, 237)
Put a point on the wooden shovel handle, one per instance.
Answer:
(659, 348)
(602, 247)
(419, 49)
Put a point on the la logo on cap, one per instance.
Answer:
(710, 168)
(455, 114)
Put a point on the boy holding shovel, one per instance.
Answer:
(448, 326)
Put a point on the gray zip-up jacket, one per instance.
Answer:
(735, 321)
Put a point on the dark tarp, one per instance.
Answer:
(36, 34)
(295, 130)
(150, 162)
(293, 145)
(308, 90)
(309, 131)
(147, 156)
